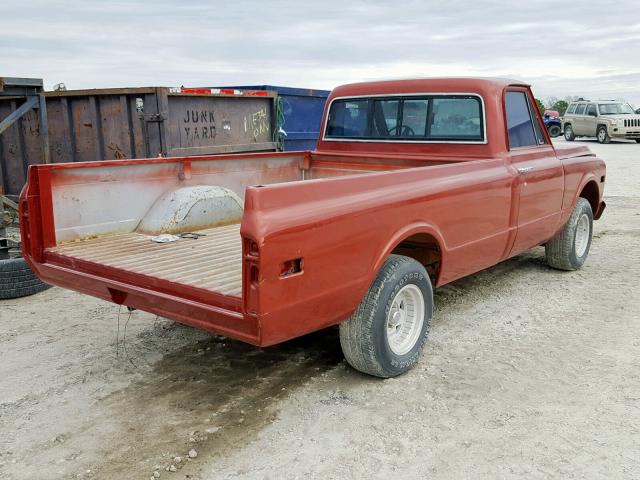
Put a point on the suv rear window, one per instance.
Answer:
(580, 109)
(572, 108)
(429, 118)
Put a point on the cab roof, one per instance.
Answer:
(477, 85)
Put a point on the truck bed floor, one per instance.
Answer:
(212, 262)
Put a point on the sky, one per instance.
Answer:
(575, 48)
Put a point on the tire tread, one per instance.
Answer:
(559, 250)
(17, 280)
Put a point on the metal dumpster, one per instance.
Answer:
(301, 110)
(105, 124)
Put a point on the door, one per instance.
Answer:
(540, 178)
(590, 120)
(578, 120)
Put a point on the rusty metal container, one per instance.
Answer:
(301, 109)
(106, 124)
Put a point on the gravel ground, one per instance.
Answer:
(529, 373)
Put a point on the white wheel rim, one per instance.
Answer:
(582, 235)
(567, 131)
(405, 319)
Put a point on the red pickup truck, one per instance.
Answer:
(414, 183)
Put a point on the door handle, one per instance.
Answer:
(525, 169)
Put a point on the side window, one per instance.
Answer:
(572, 108)
(349, 119)
(385, 118)
(519, 124)
(591, 110)
(580, 109)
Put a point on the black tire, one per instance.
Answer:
(563, 250)
(554, 131)
(17, 279)
(568, 133)
(364, 338)
(602, 134)
(637, 140)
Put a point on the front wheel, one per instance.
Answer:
(603, 135)
(568, 250)
(386, 333)
(568, 133)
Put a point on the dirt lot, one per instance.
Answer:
(529, 373)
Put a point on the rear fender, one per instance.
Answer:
(406, 232)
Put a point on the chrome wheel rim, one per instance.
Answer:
(583, 231)
(405, 319)
(567, 132)
(602, 135)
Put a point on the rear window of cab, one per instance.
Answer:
(420, 118)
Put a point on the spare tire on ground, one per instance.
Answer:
(17, 279)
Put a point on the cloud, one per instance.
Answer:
(561, 50)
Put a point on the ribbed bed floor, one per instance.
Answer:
(212, 262)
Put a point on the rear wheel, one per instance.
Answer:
(568, 133)
(569, 249)
(386, 333)
(603, 135)
(637, 140)
(554, 131)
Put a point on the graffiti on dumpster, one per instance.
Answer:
(198, 125)
(257, 122)
(204, 126)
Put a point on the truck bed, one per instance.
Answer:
(88, 227)
(211, 262)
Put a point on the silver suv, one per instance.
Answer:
(604, 119)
